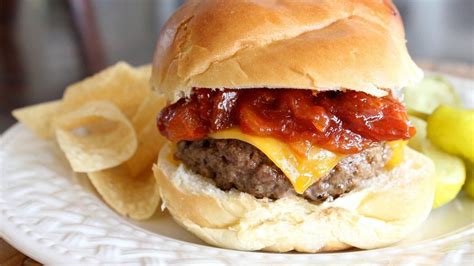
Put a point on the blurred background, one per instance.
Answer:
(47, 44)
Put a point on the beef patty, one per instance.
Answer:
(236, 164)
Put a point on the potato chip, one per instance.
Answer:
(149, 139)
(145, 70)
(107, 128)
(129, 188)
(96, 136)
(126, 87)
(39, 117)
(134, 196)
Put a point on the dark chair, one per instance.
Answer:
(85, 26)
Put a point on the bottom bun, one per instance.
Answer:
(378, 213)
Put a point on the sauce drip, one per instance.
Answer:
(342, 122)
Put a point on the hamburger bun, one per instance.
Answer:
(380, 212)
(317, 45)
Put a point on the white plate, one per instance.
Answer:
(55, 216)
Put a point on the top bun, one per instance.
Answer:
(319, 45)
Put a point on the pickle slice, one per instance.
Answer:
(452, 130)
(416, 141)
(469, 185)
(450, 173)
(427, 95)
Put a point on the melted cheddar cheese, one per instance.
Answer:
(301, 171)
(398, 152)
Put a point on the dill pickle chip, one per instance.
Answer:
(417, 140)
(428, 94)
(469, 185)
(449, 171)
(452, 130)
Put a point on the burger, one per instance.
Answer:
(285, 125)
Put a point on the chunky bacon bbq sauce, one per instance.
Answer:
(342, 122)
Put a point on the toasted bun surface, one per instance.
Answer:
(318, 45)
(377, 214)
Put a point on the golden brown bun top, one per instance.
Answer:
(319, 45)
